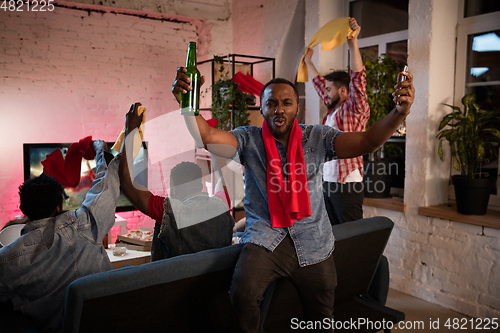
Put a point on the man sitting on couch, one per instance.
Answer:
(56, 247)
(189, 220)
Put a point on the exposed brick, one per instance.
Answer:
(62, 58)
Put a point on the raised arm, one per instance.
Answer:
(313, 72)
(217, 141)
(353, 144)
(21, 220)
(138, 195)
(355, 56)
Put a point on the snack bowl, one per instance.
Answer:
(120, 249)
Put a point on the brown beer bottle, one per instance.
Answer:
(105, 241)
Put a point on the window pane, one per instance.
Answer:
(483, 68)
(483, 79)
(478, 7)
(398, 51)
(378, 17)
(369, 51)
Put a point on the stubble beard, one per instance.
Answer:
(334, 103)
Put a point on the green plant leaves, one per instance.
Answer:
(381, 76)
(472, 134)
(226, 98)
(440, 150)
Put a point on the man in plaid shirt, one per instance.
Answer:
(348, 110)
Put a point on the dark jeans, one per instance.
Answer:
(257, 267)
(344, 202)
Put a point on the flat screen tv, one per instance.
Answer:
(35, 153)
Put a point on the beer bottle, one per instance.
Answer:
(105, 241)
(190, 101)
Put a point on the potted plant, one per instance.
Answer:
(381, 76)
(226, 98)
(472, 134)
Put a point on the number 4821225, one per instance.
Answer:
(27, 6)
(475, 323)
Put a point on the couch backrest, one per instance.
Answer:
(358, 248)
(189, 293)
(168, 294)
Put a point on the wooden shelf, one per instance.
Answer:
(449, 212)
(396, 204)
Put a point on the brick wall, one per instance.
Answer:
(449, 263)
(258, 29)
(74, 71)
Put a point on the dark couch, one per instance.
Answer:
(189, 293)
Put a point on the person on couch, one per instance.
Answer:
(288, 233)
(56, 247)
(189, 220)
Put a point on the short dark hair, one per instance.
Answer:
(277, 81)
(185, 172)
(39, 197)
(339, 79)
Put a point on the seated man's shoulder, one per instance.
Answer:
(195, 202)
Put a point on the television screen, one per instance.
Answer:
(35, 153)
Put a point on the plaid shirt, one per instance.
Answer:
(351, 116)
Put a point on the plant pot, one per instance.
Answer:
(472, 194)
(377, 179)
(397, 164)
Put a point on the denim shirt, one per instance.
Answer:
(36, 269)
(312, 236)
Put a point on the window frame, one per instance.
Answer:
(468, 26)
(380, 40)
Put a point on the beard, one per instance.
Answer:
(281, 131)
(334, 102)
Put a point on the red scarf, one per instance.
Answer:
(67, 170)
(288, 200)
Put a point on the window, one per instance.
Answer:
(371, 16)
(378, 36)
(478, 63)
(482, 76)
(479, 7)
(398, 50)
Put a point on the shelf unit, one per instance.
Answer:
(239, 59)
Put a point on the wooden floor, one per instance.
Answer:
(422, 313)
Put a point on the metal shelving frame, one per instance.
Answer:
(240, 59)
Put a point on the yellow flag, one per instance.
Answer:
(118, 144)
(331, 35)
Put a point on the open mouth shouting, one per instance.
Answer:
(279, 121)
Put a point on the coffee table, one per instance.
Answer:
(132, 257)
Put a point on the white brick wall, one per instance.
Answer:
(452, 264)
(70, 73)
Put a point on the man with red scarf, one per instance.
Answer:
(288, 232)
